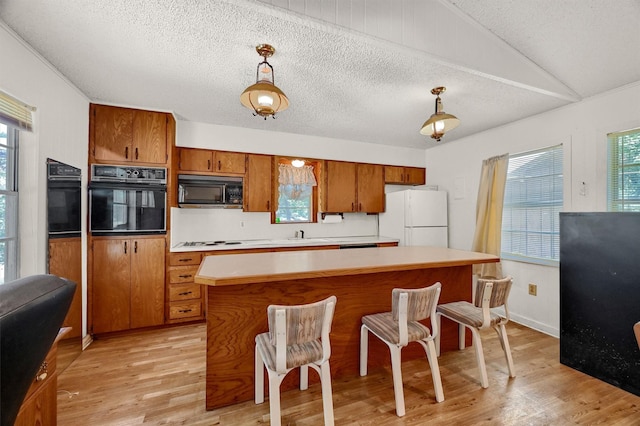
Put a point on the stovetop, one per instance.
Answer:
(210, 243)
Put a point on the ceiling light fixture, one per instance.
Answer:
(264, 97)
(440, 122)
(297, 163)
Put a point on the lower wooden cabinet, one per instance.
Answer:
(40, 405)
(186, 299)
(128, 283)
(65, 260)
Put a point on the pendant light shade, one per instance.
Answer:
(264, 97)
(440, 122)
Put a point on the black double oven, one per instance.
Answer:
(127, 200)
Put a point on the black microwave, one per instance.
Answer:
(199, 191)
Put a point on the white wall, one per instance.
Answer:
(219, 224)
(61, 132)
(582, 128)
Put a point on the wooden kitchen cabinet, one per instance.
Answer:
(40, 405)
(404, 175)
(207, 161)
(258, 183)
(353, 187)
(65, 260)
(124, 135)
(186, 299)
(128, 277)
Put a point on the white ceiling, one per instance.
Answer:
(352, 69)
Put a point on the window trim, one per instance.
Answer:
(317, 166)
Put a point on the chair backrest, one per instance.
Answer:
(414, 305)
(32, 310)
(299, 324)
(492, 293)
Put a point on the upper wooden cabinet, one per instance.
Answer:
(258, 183)
(207, 161)
(353, 187)
(123, 135)
(404, 175)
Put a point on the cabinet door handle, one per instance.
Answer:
(185, 293)
(208, 164)
(125, 247)
(185, 260)
(135, 247)
(359, 207)
(268, 205)
(136, 153)
(126, 152)
(184, 311)
(185, 276)
(352, 207)
(219, 165)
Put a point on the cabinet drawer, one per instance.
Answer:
(185, 310)
(179, 292)
(182, 275)
(189, 258)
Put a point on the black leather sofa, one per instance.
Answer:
(32, 310)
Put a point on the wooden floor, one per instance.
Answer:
(158, 378)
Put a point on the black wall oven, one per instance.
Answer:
(64, 195)
(127, 200)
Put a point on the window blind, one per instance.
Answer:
(16, 113)
(532, 203)
(623, 183)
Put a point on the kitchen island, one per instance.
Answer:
(240, 287)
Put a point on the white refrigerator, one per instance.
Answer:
(415, 217)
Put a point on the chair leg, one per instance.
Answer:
(477, 343)
(327, 394)
(504, 342)
(435, 370)
(397, 379)
(438, 319)
(461, 337)
(259, 377)
(274, 398)
(364, 349)
(304, 377)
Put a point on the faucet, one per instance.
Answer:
(300, 233)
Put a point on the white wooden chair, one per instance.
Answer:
(490, 293)
(298, 336)
(400, 327)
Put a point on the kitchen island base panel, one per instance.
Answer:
(237, 313)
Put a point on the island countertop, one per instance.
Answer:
(240, 287)
(281, 266)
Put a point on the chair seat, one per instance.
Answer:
(384, 326)
(466, 313)
(297, 355)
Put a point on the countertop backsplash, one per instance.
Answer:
(234, 224)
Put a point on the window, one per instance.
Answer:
(8, 203)
(295, 194)
(623, 189)
(532, 203)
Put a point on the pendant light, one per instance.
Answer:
(264, 97)
(440, 122)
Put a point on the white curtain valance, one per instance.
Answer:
(289, 175)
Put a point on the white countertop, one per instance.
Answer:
(291, 242)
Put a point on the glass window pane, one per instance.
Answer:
(532, 202)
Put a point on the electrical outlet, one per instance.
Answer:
(533, 289)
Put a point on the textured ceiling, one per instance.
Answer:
(359, 70)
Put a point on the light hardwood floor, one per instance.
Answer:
(158, 378)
